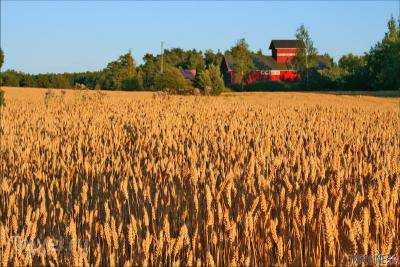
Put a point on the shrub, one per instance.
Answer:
(326, 79)
(268, 86)
(336, 78)
(59, 81)
(10, 78)
(172, 81)
(131, 84)
(211, 81)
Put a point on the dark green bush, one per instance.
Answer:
(211, 81)
(172, 80)
(268, 86)
(131, 84)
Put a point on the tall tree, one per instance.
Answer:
(149, 69)
(59, 81)
(211, 81)
(383, 60)
(306, 56)
(327, 60)
(353, 72)
(172, 80)
(351, 63)
(176, 57)
(242, 58)
(194, 60)
(212, 58)
(392, 34)
(116, 72)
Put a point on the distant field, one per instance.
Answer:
(240, 179)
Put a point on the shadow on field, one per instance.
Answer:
(391, 93)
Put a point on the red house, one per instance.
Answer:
(278, 67)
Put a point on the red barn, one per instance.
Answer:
(277, 67)
(283, 51)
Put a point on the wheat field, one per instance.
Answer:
(118, 178)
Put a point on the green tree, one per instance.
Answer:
(327, 61)
(10, 78)
(306, 56)
(176, 57)
(139, 78)
(212, 58)
(194, 60)
(133, 83)
(211, 81)
(59, 81)
(330, 78)
(27, 80)
(242, 58)
(354, 72)
(89, 78)
(149, 70)
(393, 34)
(383, 60)
(172, 80)
(204, 82)
(351, 63)
(43, 81)
(116, 72)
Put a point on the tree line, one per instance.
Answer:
(124, 74)
(378, 69)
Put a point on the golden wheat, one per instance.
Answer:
(240, 179)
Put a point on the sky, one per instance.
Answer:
(69, 36)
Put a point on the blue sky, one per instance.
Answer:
(56, 36)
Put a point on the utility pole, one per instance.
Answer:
(162, 57)
(306, 65)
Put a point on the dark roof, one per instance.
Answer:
(229, 61)
(285, 44)
(260, 62)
